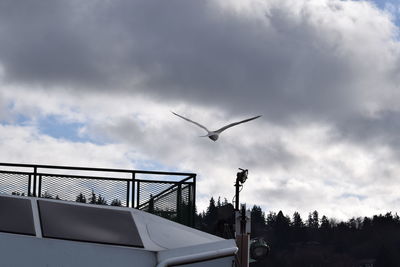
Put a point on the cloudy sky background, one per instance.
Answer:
(92, 83)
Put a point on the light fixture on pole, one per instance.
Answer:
(241, 178)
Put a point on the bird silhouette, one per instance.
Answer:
(213, 135)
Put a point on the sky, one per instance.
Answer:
(93, 83)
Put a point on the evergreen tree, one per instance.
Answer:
(81, 198)
(367, 223)
(101, 201)
(116, 202)
(210, 219)
(47, 195)
(92, 198)
(297, 221)
(298, 229)
(219, 202)
(313, 220)
(282, 221)
(282, 226)
(271, 219)
(325, 233)
(258, 221)
(325, 223)
(211, 210)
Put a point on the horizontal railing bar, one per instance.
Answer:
(95, 169)
(99, 178)
(83, 177)
(188, 178)
(14, 172)
(161, 182)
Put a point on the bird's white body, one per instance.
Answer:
(214, 135)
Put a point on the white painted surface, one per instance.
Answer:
(21, 251)
(164, 242)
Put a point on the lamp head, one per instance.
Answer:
(259, 249)
(242, 175)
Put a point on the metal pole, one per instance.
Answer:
(34, 181)
(128, 188)
(133, 189)
(138, 194)
(242, 236)
(29, 185)
(179, 203)
(40, 186)
(237, 194)
(194, 200)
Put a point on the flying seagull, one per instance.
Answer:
(213, 135)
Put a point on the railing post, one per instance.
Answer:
(179, 203)
(128, 188)
(133, 189)
(151, 204)
(138, 194)
(40, 186)
(34, 180)
(194, 201)
(190, 205)
(29, 184)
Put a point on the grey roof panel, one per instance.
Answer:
(88, 223)
(16, 216)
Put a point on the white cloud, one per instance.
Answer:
(24, 144)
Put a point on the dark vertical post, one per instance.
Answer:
(29, 184)
(179, 203)
(237, 194)
(133, 187)
(243, 220)
(151, 204)
(194, 200)
(190, 205)
(138, 194)
(40, 186)
(128, 188)
(34, 180)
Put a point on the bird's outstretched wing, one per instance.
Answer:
(236, 123)
(198, 124)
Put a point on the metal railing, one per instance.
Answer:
(171, 195)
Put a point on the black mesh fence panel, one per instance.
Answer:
(147, 190)
(175, 202)
(14, 183)
(187, 208)
(95, 191)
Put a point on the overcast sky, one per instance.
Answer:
(92, 83)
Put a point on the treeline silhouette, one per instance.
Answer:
(92, 199)
(313, 241)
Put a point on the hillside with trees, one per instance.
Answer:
(313, 241)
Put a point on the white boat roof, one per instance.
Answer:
(155, 233)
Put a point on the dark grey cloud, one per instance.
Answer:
(276, 64)
(292, 64)
(41, 43)
(370, 131)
